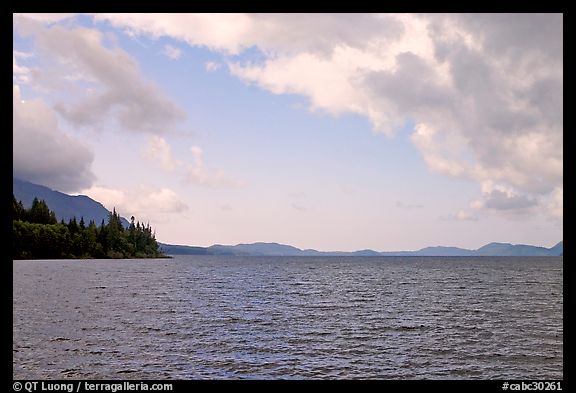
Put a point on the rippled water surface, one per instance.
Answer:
(199, 317)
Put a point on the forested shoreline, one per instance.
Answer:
(36, 234)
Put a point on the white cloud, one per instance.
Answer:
(159, 151)
(499, 200)
(460, 215)
(317, 78)
(441, 152)
(198, 173)
(165, 201)
(194, 171)
(220, 33)
(198, 155)
(42, 152)
(20, 74)
(45, 17)
(212, 66)
(334, 78)
(555, 204)
(475, 117)
(172, 52)
(507, 202)
(485, 91)
(232, 33)
(117, 89)
(463, 215)
(145, 204)
(109, 197)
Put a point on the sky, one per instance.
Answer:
(327, 131)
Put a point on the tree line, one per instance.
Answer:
(38, 235)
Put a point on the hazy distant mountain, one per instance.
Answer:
(275, 249)
(65, 206)
(444, 251)
(506, 249)
(174, 249)
(558, 249)
(171, 249)
(268, 249)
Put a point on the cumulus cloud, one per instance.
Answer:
(143, 203)
(232, 33)
(463, 215)
(460, 215)
(172, 52)
(159, 151)
(212, 66)
(46, 17)
(198, 173)
(442, 152)
(42, 152)
(555, 203)
(339, 78)
(20, 74)
(500, 200)
(484, 91)
(193, 170)
(508, 202)
(117, 89)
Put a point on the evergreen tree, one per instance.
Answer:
(18, 210)
(102, 238)
(93, 248)
(36, 234)
(40, 214)
(73, 226)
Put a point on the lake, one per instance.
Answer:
(203, 317)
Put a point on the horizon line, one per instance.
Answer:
(359, 250)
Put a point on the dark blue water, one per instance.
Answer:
(198, 317)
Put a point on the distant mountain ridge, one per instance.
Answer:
(64, 206)
(276, 249)
(67, 206)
